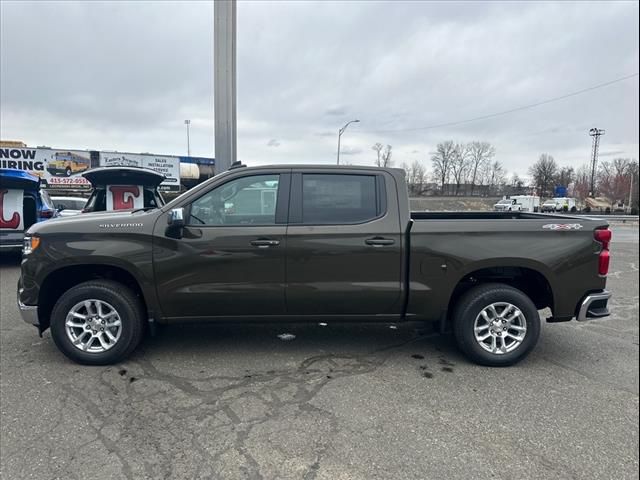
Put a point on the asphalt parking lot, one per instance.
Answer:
(337, 402)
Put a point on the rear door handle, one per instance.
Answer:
(265, 243)
(379, 241)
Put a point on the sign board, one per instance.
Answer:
(56, 168)
(63, 168)
(166, 165)
(124, 197)
(11, 209)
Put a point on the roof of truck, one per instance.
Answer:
(19, 179)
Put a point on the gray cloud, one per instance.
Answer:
(125, 76)
(347, 150)
(273, 143)
(336, 111)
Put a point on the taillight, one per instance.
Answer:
(603, 262)
(603, 236)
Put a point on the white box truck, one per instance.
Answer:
(518, 203)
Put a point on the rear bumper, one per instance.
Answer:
(594, 305)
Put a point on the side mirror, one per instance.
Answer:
(176, 218)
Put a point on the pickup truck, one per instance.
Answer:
(309, 244)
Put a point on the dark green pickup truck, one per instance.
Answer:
(310, 243)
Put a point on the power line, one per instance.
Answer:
(505, 112)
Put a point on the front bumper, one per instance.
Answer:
(594, 305)
(29, 313)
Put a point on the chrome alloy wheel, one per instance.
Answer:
(93, 326)
(500, 328)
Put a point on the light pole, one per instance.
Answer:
(187, 123)
(340, 132)
(595, 133)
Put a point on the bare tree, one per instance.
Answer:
(480, 153)
(459, 164)
(566, 176)
(377, 147)
(614, 179)
(543, 173)
(497, 176)
(441, 160)
(582, 182)
(415, 175)
(385, 158)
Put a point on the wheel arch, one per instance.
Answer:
(65, 277)
(533, 280)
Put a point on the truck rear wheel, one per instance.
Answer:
(97, 322)
(496, 325)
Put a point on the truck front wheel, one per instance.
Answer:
(496, 325)
(97, 323)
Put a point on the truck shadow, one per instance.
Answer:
(255, 346)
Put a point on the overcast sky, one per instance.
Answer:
(125, 75)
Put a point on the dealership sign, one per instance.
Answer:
(64, 168)
(56, 168)
(167, 166)
(125, 197)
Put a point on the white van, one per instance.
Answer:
(560, 204)
(518, 203)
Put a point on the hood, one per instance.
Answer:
(88, 222)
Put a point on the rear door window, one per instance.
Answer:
(339, 199)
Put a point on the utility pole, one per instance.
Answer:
(187, 123)
(340, 132)
(224, 83)
(595, 133)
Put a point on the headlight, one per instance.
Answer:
(30, 244)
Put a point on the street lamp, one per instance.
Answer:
(340, 132)
(187, 123)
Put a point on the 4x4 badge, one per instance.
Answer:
(563, 226)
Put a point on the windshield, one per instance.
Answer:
(46, 200)
(504, 202)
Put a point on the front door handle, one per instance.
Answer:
(265, 243)
(379, 241)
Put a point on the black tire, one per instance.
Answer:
(67, 172)
(471, 305)
(124, 302)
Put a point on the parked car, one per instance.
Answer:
(330, 244)
(560, 204)
(22, 203)
(518, 203)
(102, 178)
(68, 206)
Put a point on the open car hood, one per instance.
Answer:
(102, 176)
